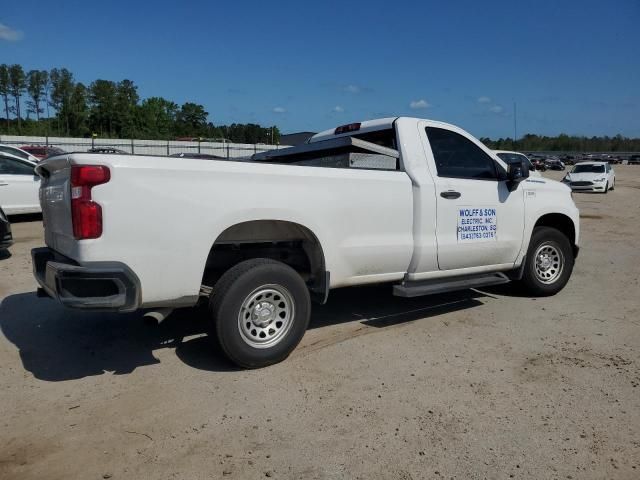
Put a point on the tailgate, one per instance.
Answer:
(55, 200)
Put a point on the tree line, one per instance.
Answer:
(41, 102)
(565, 143)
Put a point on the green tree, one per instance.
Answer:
(275, 133)
(78, 111)
(192, 119)
(36, 82)
(102, 101)
(157, 117)
(126, 106)
(5, 90)
(62, 85)
(47, 91)
(17, 85)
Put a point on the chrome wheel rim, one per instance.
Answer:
(266, 315)
(549, 263)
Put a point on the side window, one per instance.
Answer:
(13, 152)
(14, 167)
(458, 157)
(385, 138)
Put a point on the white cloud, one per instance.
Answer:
(338, 109)
(419, 104)
(352, 89)
(9, 34)
(484, 100)
(279, 110)
(496, 109)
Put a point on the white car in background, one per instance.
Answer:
(18, 152)
(19, 185)
(591, 177)
(509, 157)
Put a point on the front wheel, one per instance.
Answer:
(260, 310)
(606, 188)
(549, 262)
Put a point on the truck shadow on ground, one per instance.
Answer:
(58, 344)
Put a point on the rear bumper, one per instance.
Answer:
(110, 286)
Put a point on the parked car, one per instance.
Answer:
(610, 159)
(591, 177)
(429, 211)
(107, 150)
(516, 157)
(42, 151)
(6, 240)
(203, 156)
(18, 185)
(554, 164)
(538, 164)
(17, 152)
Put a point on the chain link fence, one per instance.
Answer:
(142, 147)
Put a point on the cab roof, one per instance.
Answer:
(366, 126)
(370, 126)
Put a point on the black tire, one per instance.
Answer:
(531, 281)
(235, 288)
(613, 185)
(606, 188)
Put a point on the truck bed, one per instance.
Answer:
(161, 215)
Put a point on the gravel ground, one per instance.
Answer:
(468, 385)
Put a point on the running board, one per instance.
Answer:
(442, 285)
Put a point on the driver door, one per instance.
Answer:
(479, 221)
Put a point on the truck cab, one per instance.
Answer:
(469, 215)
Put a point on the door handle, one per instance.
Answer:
(3, 184)
(450, 194)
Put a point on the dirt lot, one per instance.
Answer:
(468, 385)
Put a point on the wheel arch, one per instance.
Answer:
(287, 241)
(561, 222)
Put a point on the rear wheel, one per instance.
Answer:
(549, 262)
(260, 310)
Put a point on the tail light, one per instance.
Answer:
(86, 214)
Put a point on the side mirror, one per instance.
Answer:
(517, 172)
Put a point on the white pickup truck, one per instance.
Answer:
(419, 204)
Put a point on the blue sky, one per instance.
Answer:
(571, 66)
